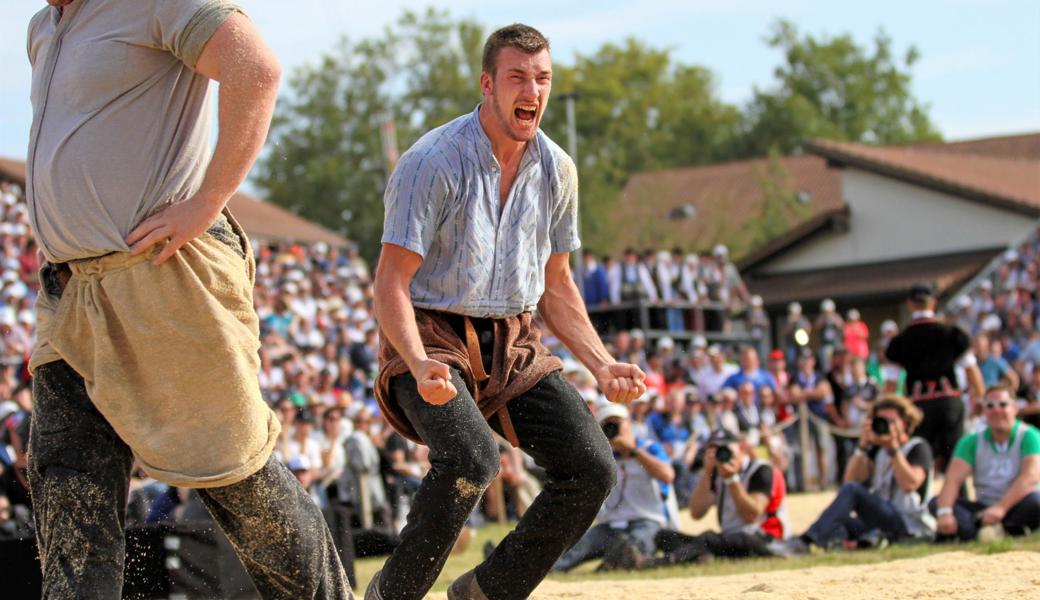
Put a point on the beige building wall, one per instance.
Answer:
(893, 220)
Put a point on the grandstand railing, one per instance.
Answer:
(991, 267)
(642, 308)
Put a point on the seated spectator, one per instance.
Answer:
(710, 378)
(303, 470)
(751, 419)
(748, 495)
(750, 370)
(898, 468)
(995, 368)
(362, 483)
(1003, 461)
(635, 507)
(671, 426)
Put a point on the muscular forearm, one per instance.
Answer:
(248, 73)
(393, 309)
(564, 313)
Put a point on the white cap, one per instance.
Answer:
(699, 341)
(964, 301)
(827, 305)
(10, 276)
(7, 316)
(756, 300)
(889, 326)
(1010, 255)
(637, 333)
(720, 250)
(692, 259)
(26, 316)
(794, 308)
(666, 342)
(852, 315)
(986, 284)
(611, 410)
(990, 323)
(299, 463)
(664, 256)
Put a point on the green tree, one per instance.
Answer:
(830, 87)
(638, 110)
(325, 158)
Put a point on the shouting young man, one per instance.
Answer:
(481, 217)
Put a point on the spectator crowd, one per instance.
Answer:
(730, 426)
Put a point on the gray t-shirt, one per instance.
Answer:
(121, 120)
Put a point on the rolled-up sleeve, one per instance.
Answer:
(413, 200)
(564, 227)
(182, 27)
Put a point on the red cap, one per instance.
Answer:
(776, 355)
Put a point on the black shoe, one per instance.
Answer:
(489, 549)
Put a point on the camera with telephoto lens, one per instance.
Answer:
(880, 426)
(611, 429)
(723, 454)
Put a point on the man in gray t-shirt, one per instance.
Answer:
(147, 339)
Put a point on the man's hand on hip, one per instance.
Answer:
(177, 224)
(434, 381)
(621, 382)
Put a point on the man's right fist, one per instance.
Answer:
(434, 381)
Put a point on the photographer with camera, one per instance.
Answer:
(748, 495)
(1003, 461)
(898, 467)
(635, 509)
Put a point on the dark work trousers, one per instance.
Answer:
(942, 426)
(79, 471)
(837, 522)
(1022, 519)
(554, 427)
(680, 548)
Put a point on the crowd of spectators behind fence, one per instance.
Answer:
(319, 356)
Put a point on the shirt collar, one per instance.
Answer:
(532, 152)
(922, 314)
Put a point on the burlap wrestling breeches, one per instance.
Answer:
(168, 355)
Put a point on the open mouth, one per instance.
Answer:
(525, 114)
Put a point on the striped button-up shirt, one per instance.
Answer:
(442, 203)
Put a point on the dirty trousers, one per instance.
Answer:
(79, 471)
(556, 428)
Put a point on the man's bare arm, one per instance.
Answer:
(393, 309)
(563, 311)
(248, 72)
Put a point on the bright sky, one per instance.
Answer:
(979, 71)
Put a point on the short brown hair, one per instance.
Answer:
(907, 410)
(524, 38)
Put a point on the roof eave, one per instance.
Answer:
(839, 158)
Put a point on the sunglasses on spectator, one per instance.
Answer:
(997, 404)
